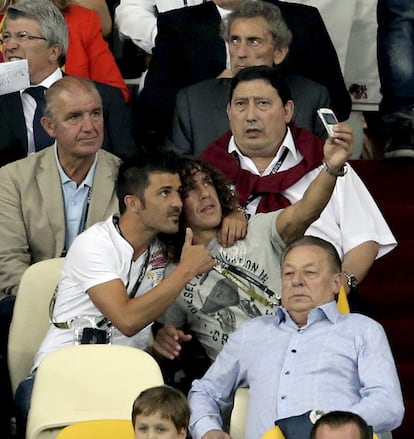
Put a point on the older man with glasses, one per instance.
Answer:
(36, 31)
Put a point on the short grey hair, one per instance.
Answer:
(282, 36)
(52, 24)
(70, 84)
(334, 261)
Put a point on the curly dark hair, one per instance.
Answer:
(225, 192)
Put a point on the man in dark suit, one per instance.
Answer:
(189, 49)
(35, 30)
(257, 35)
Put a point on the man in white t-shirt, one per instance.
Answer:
(112, 278)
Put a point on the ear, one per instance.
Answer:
(228, 110)
(279, 55)
(289, 110)
(132, 202)
(337, 282)
(55, 52)
(48, 125)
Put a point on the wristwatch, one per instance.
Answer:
(352, 281)
(339, 173)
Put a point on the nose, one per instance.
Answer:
(251, 111)
(241, 50)
(204, 191)
(177, 201)
(87, 124)
(297, 279)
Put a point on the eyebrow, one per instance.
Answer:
(310, 264)
(256, 98)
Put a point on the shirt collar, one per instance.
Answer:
(248, 164)
(223, 12)
(88, 181)
(50, 80)
(328, 311)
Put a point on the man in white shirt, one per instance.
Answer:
(111, 286)
(272, 163)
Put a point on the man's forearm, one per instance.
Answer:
(295, 219)
(359, 259)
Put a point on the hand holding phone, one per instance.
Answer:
(329, 120)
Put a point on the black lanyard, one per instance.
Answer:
(82, 223)
(277, 165)
(144, 266)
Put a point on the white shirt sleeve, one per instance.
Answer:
(351, 216)
(136, 19)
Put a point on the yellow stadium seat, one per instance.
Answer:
(99, 429)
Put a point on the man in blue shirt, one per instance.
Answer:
(306, 357)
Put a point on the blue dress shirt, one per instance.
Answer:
(335, 362)
(76, 200)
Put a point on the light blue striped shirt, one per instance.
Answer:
(335, 362)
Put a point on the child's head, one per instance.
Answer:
(163, 409)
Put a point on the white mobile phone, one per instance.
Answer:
(329, 120)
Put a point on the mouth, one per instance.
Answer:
(208, 208)
(174, 215)
(253, 132)
(88, 139)
(13, 58)
(299, 296)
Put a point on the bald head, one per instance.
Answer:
(69, 85)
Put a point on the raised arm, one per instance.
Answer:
(295, 219)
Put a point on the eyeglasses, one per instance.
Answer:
(21, 37)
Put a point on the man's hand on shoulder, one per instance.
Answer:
(168, 341)
(233, 227)
(338, 150)
(216, 434)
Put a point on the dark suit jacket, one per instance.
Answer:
(189, 49)
(200, 115)
(117, 119)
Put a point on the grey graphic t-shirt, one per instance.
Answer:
(215, 304)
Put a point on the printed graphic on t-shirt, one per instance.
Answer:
(216, 305)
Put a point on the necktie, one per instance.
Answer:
(41, 138)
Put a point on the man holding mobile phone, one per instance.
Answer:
(271, 162)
